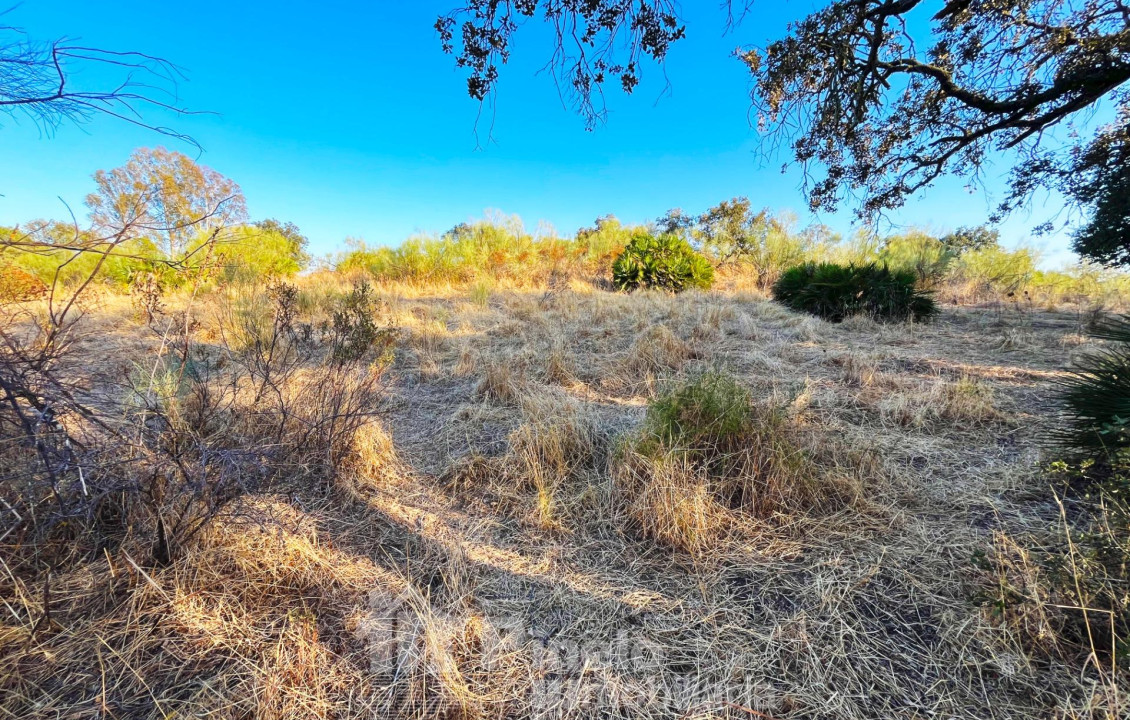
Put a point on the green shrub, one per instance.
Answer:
(354, 331)
(252, 254)
(69, 268)
(992, 270)
(1086, 564)
(1096, 397)
(835, 292)
(666, 262)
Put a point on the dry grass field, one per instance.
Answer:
(501, 545)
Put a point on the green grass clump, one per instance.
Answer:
(712, 421)
(666, 262)
(709, 432)
(835, 292)
(709, 415)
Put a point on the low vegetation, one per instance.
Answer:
(1065, 589)
(708, 459)
(743, 249)
(1096, 395)
(837, 292)
(666, 262)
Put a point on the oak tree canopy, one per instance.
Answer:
(875, 99)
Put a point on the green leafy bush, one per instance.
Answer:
(666, 262)
(253, 254)
(835, 292)
(1087, 565)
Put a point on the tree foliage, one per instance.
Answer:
(733, 233)
(167, 196)
(876, 99)
(917, 252)
(971, 239)
(596, 41)
(295, 240)
(857, 92)
(1102, 182)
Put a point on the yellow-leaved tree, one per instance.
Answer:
(167, 196)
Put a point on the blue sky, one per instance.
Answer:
(346, 119)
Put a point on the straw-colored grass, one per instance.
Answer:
(499, 514)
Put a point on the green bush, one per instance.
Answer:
(1096, 397)
(666, 262)
(835, 292)
(70, 268)
(1093, 569)
(354, 331)
(996, 271)
(252, 254)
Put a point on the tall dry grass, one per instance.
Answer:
(508, 497)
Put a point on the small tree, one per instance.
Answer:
(732, 233)
(167, 196)
(918, 252)
(296, 241)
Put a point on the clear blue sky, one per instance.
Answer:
(346, 119)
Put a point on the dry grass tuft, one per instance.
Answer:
(673, 501)
(560, 365)
(299, 676)
(374, 455)
(963, 403)
(657, 350)
(557, 442)
(452, 665)
(858, 369)
(501, 383)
